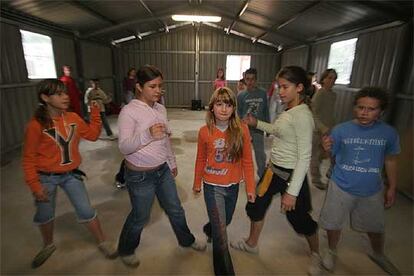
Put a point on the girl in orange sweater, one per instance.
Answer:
(224, 158)
(51, 159)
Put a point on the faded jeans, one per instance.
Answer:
(143, 186)
(220, 203)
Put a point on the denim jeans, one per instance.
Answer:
(143, 186)
(105, 124)
(74, 188)
(220, 203)
(259, 152)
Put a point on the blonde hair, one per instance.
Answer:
(234, 139)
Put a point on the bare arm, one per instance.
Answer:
(391, 171)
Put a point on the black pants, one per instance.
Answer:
(300, 219)
(120, 176)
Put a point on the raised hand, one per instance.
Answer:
(250, 120)
(158, 131)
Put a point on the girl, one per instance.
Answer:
(323, 108)
(150, 165)
(224, 158)
(220, 80)
(129, 85)
(290, 157)
(51, 159)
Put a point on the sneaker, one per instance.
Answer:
(108, 249)
(198, 246)
(315, 267)
(243, 246)
(119, 185)
(112, 137)
(382, 261)
(130, 260)
(43, 255)
(329, 259)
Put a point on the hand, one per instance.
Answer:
(41, 195)
(158, 131)
(250, 120)
(288, 202)
(196, 191)
(389, 197)
(327, 142)
(251, 197)
(174, 172)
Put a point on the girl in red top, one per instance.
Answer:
(224, 158)
(51, 158)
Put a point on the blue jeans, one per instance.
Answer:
(142, 188)
(259, 152)
(220, 203)
(73, 186)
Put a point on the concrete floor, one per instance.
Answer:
(282, 252)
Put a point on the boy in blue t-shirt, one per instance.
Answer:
(360, 148)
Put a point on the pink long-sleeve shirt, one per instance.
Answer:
(135, 141)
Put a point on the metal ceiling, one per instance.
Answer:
(279, 22)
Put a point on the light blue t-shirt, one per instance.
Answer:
(254, 102)
(359, 155)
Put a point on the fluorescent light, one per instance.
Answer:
(196, 18)
(124, 39)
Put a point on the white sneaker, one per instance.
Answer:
(198, 246)
(108, 249)
(130, 260)
(329, 259)
(315, 267)
(243, 246)
(112, 137)
(383, 262)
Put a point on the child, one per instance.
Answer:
(254, 101)
(323, 109)
(150, 166)
(220, 80)
(51, 159)
(360, 148)
(241, 86)
(290, 158)
(224, 158)
(95, 93)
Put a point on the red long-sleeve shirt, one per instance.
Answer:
(56, 149)
(212, 166)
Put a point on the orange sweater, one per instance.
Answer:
(211, 165)
(56, 151)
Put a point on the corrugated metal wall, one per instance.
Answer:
(174, 53)
(18, 94)
(297, 56)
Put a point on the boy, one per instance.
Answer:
(94, 93)
(254, 101)
(360, 148)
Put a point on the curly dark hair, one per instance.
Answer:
(373, 92)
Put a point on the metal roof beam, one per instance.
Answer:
(385, 9)
(152, 14)
(279, 26)
(92, 12)
(267, 30)
(239, 13)
(159, 16)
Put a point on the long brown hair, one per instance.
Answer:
(234, 139)
(47, 87)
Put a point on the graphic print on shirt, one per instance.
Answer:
(64, 144)
(220, 156)
(363, 147)
(253, 106)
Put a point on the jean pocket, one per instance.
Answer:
(134, 177)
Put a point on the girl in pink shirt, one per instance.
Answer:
(224, 158)
(220, 80)
(150, 166)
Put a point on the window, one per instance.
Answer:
(38, 53)
(235, 66)
(341, 58)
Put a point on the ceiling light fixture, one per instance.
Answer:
(196, 18)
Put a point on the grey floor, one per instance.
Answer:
(282, 252)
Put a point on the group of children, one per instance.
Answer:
(234, 126)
